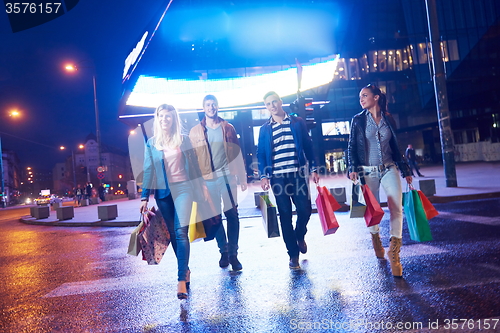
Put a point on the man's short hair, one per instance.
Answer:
(210, 98)
(270, 94)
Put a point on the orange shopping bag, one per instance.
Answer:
(429, 209)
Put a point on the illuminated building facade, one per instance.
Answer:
(383, 42)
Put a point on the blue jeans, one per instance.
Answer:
(217, 189)
(176, 210)
(292, 186)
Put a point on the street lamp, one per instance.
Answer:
(2, 185)
(74, 68)
(13, 114)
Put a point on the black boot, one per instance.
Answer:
(235, 263)
(224, 260)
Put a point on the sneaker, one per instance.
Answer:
(302, 246)
(224, 260)
(235, 263)
(294, 263)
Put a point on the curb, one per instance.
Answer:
(438, 199)
(27, 219)
(110, 223)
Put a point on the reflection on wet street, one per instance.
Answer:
(57, 279)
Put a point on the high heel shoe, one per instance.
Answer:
(188, 279)
(182, 290)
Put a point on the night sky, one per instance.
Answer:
(57, 108)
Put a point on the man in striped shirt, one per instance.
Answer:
(284, 152)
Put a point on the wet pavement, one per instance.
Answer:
(63, 279)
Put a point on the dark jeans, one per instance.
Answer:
(218, 189)
(413, 165)
(292, 186)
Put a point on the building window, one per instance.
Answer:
(227, 115)
(472, 135)
(457, 137)
(260, 114)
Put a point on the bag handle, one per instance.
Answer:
(410, 187)
(146, 216)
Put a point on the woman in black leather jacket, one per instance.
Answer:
(374, 155)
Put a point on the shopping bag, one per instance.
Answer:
(134, 247)
(374, 213)
(196, 230)
(418, 224)
(358, 204)
(326, 205)
(269, 217)
(154, 237)
(429, 209)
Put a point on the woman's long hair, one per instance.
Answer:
(167, 139)
(382, 100)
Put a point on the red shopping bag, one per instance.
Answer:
(326, 204)
(373, 213)
(429, 209)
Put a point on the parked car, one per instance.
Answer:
(45, 199)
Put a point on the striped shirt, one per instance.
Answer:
(378, 138)
(284, 151)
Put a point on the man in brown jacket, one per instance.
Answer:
(222, 166)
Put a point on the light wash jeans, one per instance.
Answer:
(391, 183)
(176, 210)
(218, 189)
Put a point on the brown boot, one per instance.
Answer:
(377, 246)
(397, 269)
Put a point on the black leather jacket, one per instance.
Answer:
(357, 154)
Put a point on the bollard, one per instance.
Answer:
(339, 194)
(65, 213)
(427, 186)
(40, 212)
(107, 212)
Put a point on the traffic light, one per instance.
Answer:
(304, 108)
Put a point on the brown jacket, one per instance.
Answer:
(199, 141)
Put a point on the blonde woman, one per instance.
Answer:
(171, 169)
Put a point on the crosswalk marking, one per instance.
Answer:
(132, 281)
(92, 286)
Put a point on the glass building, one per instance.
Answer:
(384, 42)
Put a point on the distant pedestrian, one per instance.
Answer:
(411, 158)
(102, 191)
(78, 194)
(284, 151)
(374, 156)
(88, 192)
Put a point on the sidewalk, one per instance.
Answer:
(475, 181)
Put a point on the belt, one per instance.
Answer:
(379, 168)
